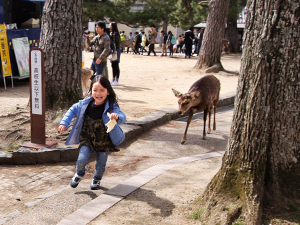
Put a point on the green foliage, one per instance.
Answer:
(236, 7)
(187, 14)
(183, 13)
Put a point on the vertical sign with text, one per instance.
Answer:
(4, 52)
(37, 96)
(36, 82)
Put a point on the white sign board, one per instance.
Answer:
(36, 82)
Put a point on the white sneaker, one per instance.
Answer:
(75, 180)
(116, 83)
(112, 81)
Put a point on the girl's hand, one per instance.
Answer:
(114, 116)
(62, 128)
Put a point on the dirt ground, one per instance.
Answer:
(145, 85)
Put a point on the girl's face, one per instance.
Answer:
(99, 93)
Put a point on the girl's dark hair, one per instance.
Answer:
(114, 27)
(112, 97)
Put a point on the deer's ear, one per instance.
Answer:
(195, 94)
(176, 93)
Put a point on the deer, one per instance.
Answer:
(202, 95)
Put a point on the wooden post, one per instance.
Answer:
(37, 96)
(37, 100)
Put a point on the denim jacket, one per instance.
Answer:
(78, 109)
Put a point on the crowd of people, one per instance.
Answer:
(110, 40)
(188, 43)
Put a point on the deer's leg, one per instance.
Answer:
(215, 110)
(209, 118)
(204, 118)
(191, 113)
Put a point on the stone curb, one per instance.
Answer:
(97, 206)
(133, 128)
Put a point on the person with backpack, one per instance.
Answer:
(152, 34)
(171, 40)
(137, 42)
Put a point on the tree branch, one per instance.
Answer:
(201, 3)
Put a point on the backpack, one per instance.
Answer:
(157, 39)
(139, 39)
(173, 40)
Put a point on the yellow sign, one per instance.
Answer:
(4, 52)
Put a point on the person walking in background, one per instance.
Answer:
(170, 43)
(144, 42)
(115, 38)
(89, 129)
(196, 44)
(180, 42)
(200, 38)
(102, 48)
(130, 37)
(164, 38)
(152, 35)
(188, 41)
(137, 42)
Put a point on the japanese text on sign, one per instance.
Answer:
(36, 82)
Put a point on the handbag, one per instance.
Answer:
(112, 55)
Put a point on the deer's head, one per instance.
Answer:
(186, 101)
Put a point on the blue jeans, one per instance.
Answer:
(98, 68)
(83, 158)
(143, 49)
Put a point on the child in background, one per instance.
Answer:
(89, 129)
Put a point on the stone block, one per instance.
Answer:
(49, 156)
(131, 131)
(24, 156)
(69, 154)
(5, 158)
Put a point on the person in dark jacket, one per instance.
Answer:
(115, 38)
(188, 41)
(164, 43)
(137, 43)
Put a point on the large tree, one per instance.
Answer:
(61, 37)
(210, 52)
(261, 168)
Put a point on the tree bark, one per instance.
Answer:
(232, 35)
(261, 166)
(61, 37)
(211, 49)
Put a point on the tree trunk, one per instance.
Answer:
(261, 166)
(211, 49)
(165, 26)
(232, 35)
(61, 37)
